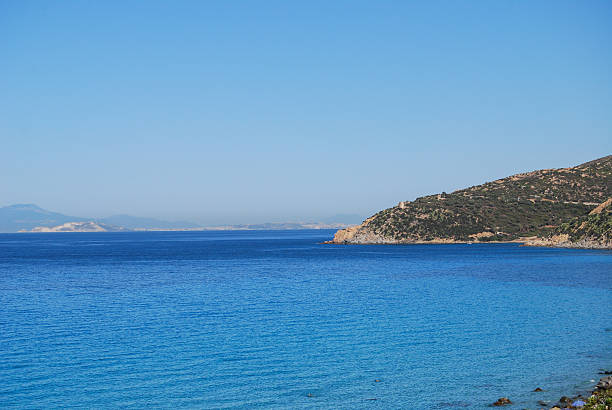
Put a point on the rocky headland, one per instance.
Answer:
(552, 207)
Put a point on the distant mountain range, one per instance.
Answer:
(566, 205)
(32, 218)
(78, 227)
(28, 216)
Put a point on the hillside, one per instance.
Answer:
(591, 231)
(523, 205)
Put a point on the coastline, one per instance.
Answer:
(598, 397)
(521, 242)
(361, 235)
(442, 242)
(581, 244)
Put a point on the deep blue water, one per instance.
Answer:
(275, 319)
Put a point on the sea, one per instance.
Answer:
(277, 319)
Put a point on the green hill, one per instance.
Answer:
(590, 231)
(523, 205)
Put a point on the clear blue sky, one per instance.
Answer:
(231, 111)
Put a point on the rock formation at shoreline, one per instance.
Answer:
(517, 208)
(599, 399)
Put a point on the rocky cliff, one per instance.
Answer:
(532, 204)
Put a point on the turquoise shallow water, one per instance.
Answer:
(277, 320)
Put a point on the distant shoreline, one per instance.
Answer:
(522, 243)
(180, 230)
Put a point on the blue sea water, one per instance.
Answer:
(275, 319)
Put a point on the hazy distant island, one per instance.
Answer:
(77, 227)
(279, 226)
(567, 207)
(32, 218)
(92, 226)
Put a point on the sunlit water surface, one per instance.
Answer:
(276, 319)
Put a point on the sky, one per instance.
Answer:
(248, 112)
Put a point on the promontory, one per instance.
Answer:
(550, 207)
